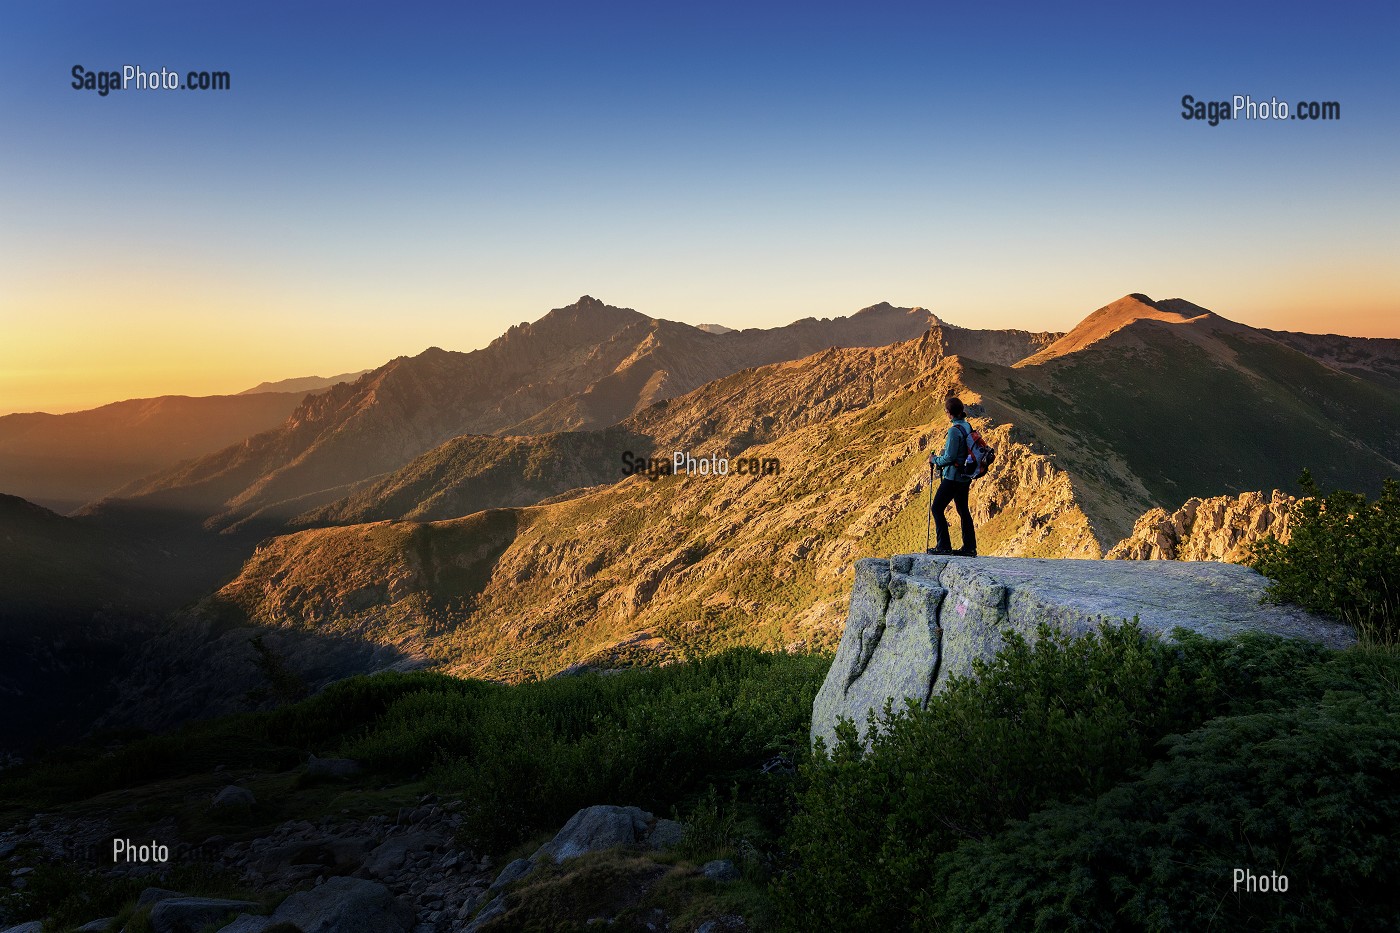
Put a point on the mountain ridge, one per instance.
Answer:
(587, 364)
(65, 461)
(517, 556)
(303, 383)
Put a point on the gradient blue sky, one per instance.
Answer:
(382, 179)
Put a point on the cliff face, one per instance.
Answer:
(916, 621)
(1221, 528)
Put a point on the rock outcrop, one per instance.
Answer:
(591, 829)
(1219, 528)
(917, 621)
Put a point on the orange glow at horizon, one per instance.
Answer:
(71, 358)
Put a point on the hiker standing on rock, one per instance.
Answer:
(955, 482)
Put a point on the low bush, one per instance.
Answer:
(1065, 719)
(1311, 792)
(1342, 559)
(535, 754)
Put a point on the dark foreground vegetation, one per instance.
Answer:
(1115, 783)
(1342, 559)
(1111, 782)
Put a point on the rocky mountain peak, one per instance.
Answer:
(1112, 318)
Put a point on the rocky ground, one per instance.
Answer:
(1220, 528)
(385, 874)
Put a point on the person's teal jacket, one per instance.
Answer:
(954, 452)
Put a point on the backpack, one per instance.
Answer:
(979, 455)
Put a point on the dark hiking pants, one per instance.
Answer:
(956, 493)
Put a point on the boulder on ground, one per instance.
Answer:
(154, 895)
(233, 797)
(96, 926)
(334, 769)
(192, 914)
(594, 828)
(346, 905)
(391, 854)
(721, 869)
(332, 855)
(33, 926)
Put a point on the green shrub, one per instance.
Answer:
(1311, 791)
(655, 738)
(1342, 559)
(1061, 720)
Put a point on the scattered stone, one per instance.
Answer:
(594, 828)
(233, 797)
(345, 905)
(335, 769)
(721, 869)
(341, 856)
(7, 847)
(191, 914)
(298, 853)
(394, 852)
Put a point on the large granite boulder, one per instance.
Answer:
(916, 620)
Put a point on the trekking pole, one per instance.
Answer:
(928, 527)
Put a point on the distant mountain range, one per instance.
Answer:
(304, 384)
(584, 366)
(66, 461)
(472, 510)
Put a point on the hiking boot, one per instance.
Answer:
(942, 551)
(964, 552)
